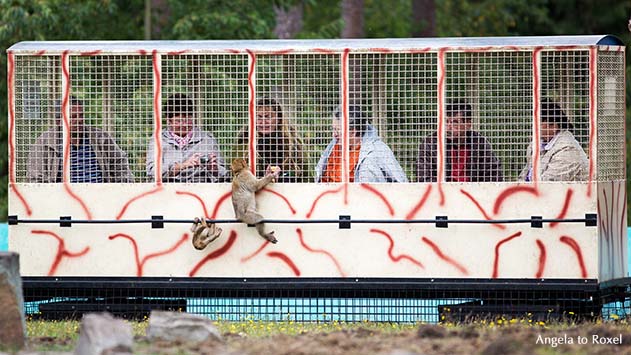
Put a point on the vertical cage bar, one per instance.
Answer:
(157, 114)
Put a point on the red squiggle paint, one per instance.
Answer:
(62, 252)
(321, 251)
(511, 191)
(140, 264)
(178, 52)
(90, 54)
(220, 201)
(134, 199)
(391, 255)
(497, 252)
(157, 113)
(381, 50)
(592, 116)
(293, 210)
(251, 107)
(419, 51)
(11, 138)
(577, 249)
(566, 205)
(420, 204)
(143, 52)
(215, 254)
(246, 258)
(324, 51)
(542, 258)
(444, 257)
(315, 202)
(477, 204)
(199, 199)
(441, 123)
(40, 53)
(345, 141)
(381, 196)
(536, 113)
(280, 52)
(286, 260)
(66, 121)
(233, 51)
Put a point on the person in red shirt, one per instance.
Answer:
(469, 157)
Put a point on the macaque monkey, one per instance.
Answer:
(244, 185)
(204, 233)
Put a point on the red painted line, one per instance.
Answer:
(11, 137)
(162, 253)
(157, 115)
(321, 251)
(592, 116)
(315, 202)
(76, 197)
(444, 257)
(90, 54)
(61, 251)
(476, 50)
(566, 205)
(284, 51)
(136, 198)
(286, 260)
(381, 196)
(381, 50)
(251, 118)
(40, 53)
(419, 51)
(536, 115)
(477, 204)
(420, 203)
(215, 254)
(324, 51)
(393, 257)
(218, 204)
(293, 210)
(441, 123)
(178, 52)
(345, 142)
(134, 247)
(199, 199)
(511, 191)
(497, 252)
(577, 249)
(246, 258)
(233, 51)
(143, 52)
(542, 258)
(562, 48)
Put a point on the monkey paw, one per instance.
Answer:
(271, 238)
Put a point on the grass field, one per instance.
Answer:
(331, 338)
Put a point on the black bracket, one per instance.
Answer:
(65, 221)
(345, 222)
(442, 222)
(157, 222)
(591, 220)
(12, 220)
(536, 222)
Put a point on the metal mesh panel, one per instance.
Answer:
(296, 96)
(496, 87)
(37, 88)
(117, 96)
(398, 92)
(217, 87)
(611, 110)
(565, 81)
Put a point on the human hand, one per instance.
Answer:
(211, 162)
(192, 161)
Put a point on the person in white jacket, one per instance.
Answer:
(370, 159)
(562, 157)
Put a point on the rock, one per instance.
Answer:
(42, 353)
(102, 334)
(12, 325)
(181, 326)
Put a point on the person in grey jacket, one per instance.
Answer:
(562, 157)
(94, 156)
(188, 153)
(370, 159)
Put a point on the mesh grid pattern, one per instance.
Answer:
(296, 96)
(37, 93)
(398, 92)
(498, 88)
(611, 110)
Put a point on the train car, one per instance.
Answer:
(471, 161)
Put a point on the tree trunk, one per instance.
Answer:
(288, 21)
(353, 16)
(423, 18)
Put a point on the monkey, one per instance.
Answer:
(204, 233)
(244, 185)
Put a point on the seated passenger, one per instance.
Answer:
(277, 142)
(562, 157)
(188, 153)
(370, 159)
(94, 155)
(468, 155)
